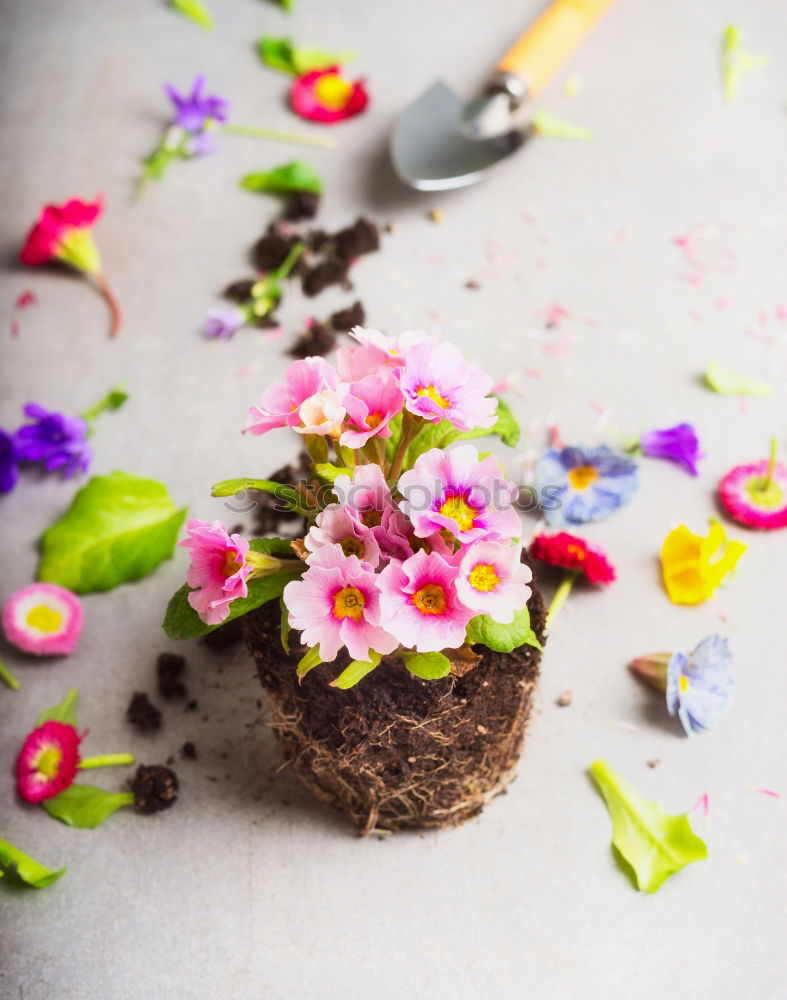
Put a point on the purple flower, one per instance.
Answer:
(195, 110)
(677, 444)
(221, 324)
(59, 442)
(9, 462)
(700, 685)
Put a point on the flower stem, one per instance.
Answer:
(8, 678)
(561, 596)
(290, 261)
(771, 467)
(267, 133)
(112, 302)
(108, 760)
(408, 433)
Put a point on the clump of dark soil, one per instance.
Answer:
(155, 788)
(188, 750)
(270, 518)
(219, 639)
(142, 713)
(396, 751)
(169, 670)
(301, 205)
(320, 339)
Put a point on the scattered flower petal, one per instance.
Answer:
(47, 762)
(677, 444)
(728, 383)
(695, 566)
(44, 619)
(579, 484)
(573, 553)
(755, 494)
(323, 95)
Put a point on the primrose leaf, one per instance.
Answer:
(443, 433)
(286, 495)
(15, 862)
(280, 54)
(195, 11)
(729, 383)
(555, 128)
(64, 712)
(653, 843)
(502, 638)
(284, 627)
(118, 528)
(182, 621)
(311, 658)
(85, 806)
(331, 472)
(427, 666)
(356, 671)
(290, 178)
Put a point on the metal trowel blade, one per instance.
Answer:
(429, 151)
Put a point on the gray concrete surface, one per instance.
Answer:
(247, 889)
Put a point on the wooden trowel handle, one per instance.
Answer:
(550, 42)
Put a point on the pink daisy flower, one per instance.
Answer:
(756, 494)
(439, 384)
(323, 95)
(218, 570)
(47, 762)
(493, 580)
(455, 490)
(339, 525)
(419, 603)
(370, 405)
(336, 603)
(282, 401)
(43, 619)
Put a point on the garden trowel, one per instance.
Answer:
(441, 142)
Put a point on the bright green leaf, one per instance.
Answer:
(276, 53)
(651, 842)
(195, 11)
(86, 807)
(287, 495)
(728, 383)
(555, 128)
(118, 528)
(427, 666)
(284, 627)
(64, 712)
(14, 862)
(182, 621)
(441, 434)
(356, 671)
(289, 178)
(506, 426)
(502, 638)
(331, 472)
(311, 658)
(280, 54)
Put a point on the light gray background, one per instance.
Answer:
(247, 889)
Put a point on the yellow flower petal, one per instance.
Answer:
(694, 566)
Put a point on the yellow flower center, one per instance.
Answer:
(434, 395)
(352, 546)
(764, 492)
(430, 600)
(457, 508)
(44, 619)
(581, 476)
(683, 683)
(332, 92)
(232, 563)
(483, 577)
(576, 550)
(374, 420)
(48, 763)
(348, 602)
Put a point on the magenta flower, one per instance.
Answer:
(196, 110)
(677, 444)
(493, 580)
(419, 603)
(340, 525)
(44, 619)
(337, 603)
(57, 441)
(370, 405)
(755, 494)
(218, 570)
(455, 490)
(48, 761)
(281, 402)
(439, 384)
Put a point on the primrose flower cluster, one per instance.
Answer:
(410, 541)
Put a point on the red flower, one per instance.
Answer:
(323, 95)
(47, 763)
(62, 232)
(573, 553)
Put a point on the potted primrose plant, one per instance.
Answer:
(399, 638)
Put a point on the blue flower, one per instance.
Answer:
(194, 111)
(677, 444)
(57, 441)
(579, 484)
(9, 462)
(700, 685)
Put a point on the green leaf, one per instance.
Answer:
(652, 843)
(113, 400)
(284, 627)
(195, 11)
(356, 671)
(182, 621)
(331, 472)
(728, 383)
(502, 638)
(311, 658)
(86, 807)
(286, 494)
(118, 528)
(289, 178)
(64, 712)
(280, 54)
(555, 128)
(441, 434)
(506, 426)
(14, 862)
(276, 53)
(427, 666)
